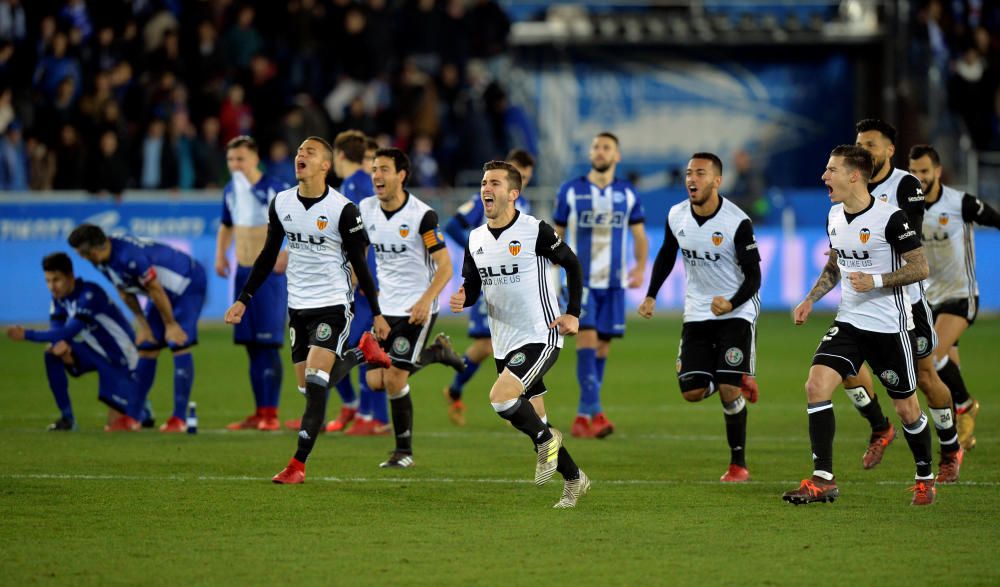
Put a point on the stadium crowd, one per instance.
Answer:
(144, 94)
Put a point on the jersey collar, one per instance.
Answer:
(496, 232)
(701, 220)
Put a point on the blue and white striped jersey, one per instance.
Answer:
(87, 315)
(244, 204)
(135, 262)
(596, 222)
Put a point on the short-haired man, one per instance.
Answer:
(507, 260)
(468, 217)
(245, 200)
(874, 254)
(175, 285)
(87, 332)
(596, 213)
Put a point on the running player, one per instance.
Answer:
(413, 267)
(874, 253)
(469, 216)
(175, 285)
(245, 200)
(952, 290)
(507, 261)
(325, 234)
(721, 305)
(592, 214)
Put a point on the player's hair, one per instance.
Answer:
(371, 144)
(716, 162)
(513, 175)
(520, 157)
(919, 151)
(399, 158)
(58, 262)
(352, 143)
(887, 130)
(608, 135)
(326, 145)
(243, 141)
(856, 158)
(87, 236)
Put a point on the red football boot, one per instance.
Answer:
(748, 386)
(735, 474)
(600, 426)
(346, 415)
(174, 424)
(123, 423)
(374, 355)
(293, 474)
(581, 428)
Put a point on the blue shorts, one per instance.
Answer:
(479, 324)
(112, 380)
(603, 310)
(264, 321)
(362, 321)
(187, 309)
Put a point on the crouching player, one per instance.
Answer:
(87, 332)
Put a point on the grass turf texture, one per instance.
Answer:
(95, 508)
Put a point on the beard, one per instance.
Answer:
(600, 168)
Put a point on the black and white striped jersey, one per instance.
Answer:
(403, 241)
(872, 242)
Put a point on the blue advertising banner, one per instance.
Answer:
(790, 262)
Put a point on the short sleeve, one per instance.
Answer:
(430, 232)
(746, 243)
(900, 234)
(637, 215)
(561, 214)
(352, 228)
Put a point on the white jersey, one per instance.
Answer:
(888, 190)
(950, 246)
(869, 243)
(520, 299)
(318, 271)
(711, 252)
(402, 252)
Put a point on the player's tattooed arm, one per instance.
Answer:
(827, 279)
(913, 271)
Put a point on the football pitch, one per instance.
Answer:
(90, 507)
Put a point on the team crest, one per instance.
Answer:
(321, 222)
(516, 360)
(884, 197)
(400, 346)
(943, 219)
(323, 331)
(865, 235)
(716, 238)
(922, 344)
(514, 247)
(734, 356)
(889, 377)
(404, 230)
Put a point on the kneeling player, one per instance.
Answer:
(87, 333)
(507, 261)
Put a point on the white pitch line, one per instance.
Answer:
(432, 480)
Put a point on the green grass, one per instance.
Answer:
(96, 508)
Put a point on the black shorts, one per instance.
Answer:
(923, 329)
(406, 341)
(715, 350)
(960, 307)
(328, 328)
(890, 355)
(529, 363)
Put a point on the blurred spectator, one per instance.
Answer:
(6, 108)
(56, 66)
(181, 144)
(306, 36)
(13, 160)
(242, 41)
(41, 165)
(279, 162)
(491, 27)
(209, 155)
(423, 26)
(103, 54)
(158, 165)
(749, 189)
(74, 15)
(425, 166)
(108, 169)
(13, 22)
(235, 116)
(71, 160)
(263, 94)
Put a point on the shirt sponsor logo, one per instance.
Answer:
(590, 219)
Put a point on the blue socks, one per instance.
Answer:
(145, 372)
(183, 379)
(599, 364)
(59, 384)
(590, 387)
(461, 378)
(265, 375)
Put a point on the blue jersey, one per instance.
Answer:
(134, 263)
(356, 187)
(472, 215)
(244, 204)
(87, 315)
(596, 222)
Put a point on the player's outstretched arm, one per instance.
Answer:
(826, 281)
(553, 248)
(663, 265)
(421, 311)
(978, 211)
(640, 246)
(355, 243)
(748, 257)
(472, 284)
